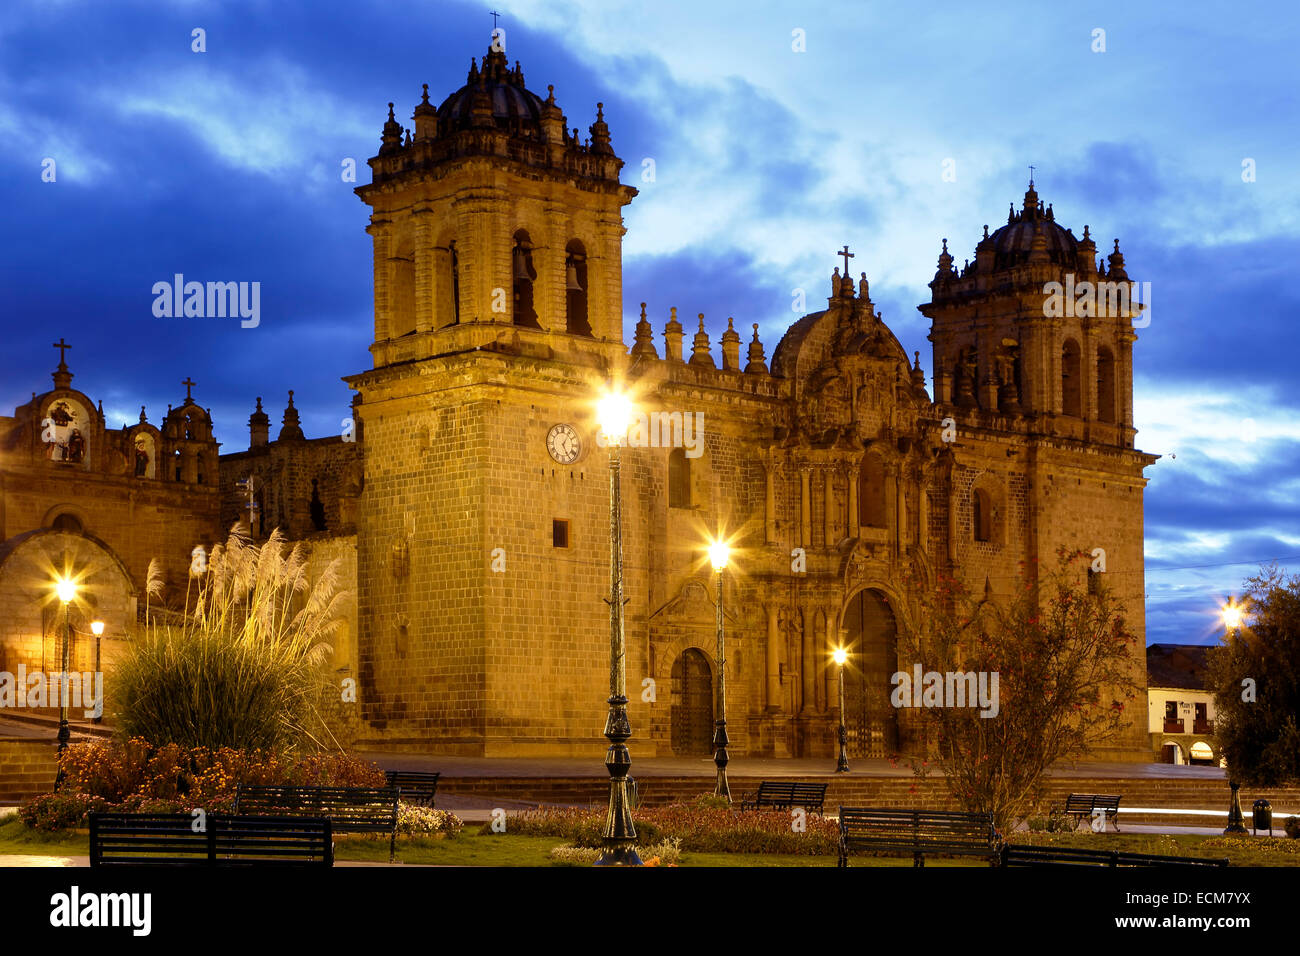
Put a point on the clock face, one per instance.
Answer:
(563, 443)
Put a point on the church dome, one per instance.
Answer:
(496, 90)
(1030, 227)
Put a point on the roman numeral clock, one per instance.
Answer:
(563, 443)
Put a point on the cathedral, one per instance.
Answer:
(469, 495)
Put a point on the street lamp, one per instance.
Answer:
(840, 656)
(614, 415)
(97, 628)
(66, 591)
(1232, 615)
(718, 554)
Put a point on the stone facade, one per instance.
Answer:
(471, 499)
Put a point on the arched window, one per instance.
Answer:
(1105, 385)
(451, 284)
(871, 492)
(521, 263)
(401, 301)
(981, 515)
(575, 282)
(1071, 380)
(679, 479)
(69, 524)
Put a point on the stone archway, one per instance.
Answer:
(691, 730)
(870, 632)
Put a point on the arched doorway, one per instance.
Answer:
(870, 636)
(692, 704)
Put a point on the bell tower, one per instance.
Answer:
(497, 236)
(494, 216)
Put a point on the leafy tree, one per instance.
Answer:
(243, 667)
(1064, 660)
(1255, 677)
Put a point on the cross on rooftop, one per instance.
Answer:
(494, 18)
(847, 256)
(1031, 175)
(188, 383)
(62, 346)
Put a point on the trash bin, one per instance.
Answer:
(1262, 812)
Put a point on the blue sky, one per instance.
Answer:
(226, 165)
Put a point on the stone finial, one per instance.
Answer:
(143, 419)
(731, 348)
(1116, 260)
(673, 338)
(426, 118)
(292, 430)
(700, 354)
(757, 364)
(918, 376)
(600, 142)
(391, 139)
(945, 262)
(644, 345)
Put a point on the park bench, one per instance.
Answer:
(350, 809)
(170, 839)
(785, 795)
(917, 832)
(418, 788)
(1080, 805)
(1026, 855)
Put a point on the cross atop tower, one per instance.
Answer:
(1031, 176)
(188, 383)
(494, 18)
(846, 255)
(62, 346)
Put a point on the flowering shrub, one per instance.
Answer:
(1292, 827)
(697, 829)
(60, 811)
(664, 853)
(413, 820)
(137, 777)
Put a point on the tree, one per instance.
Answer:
(1255, 677)
(243, 666)
(1063, 661)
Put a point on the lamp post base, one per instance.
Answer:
(620, 855)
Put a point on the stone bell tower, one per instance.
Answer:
(498, 310)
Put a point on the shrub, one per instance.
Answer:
(245, 664)
(413, 820)
(664, 853)
(60, 811)
(1292, 827)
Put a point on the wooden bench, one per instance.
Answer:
(418, 788)
(169, 839)
(350, 809)
(1080, 805)
(785, 795)
(1026, 855)
(917, 832)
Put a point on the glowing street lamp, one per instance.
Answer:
(719, 552)
(1232, 615)
(840, 656)
(614, 413)
(97, 628)
(66, 591)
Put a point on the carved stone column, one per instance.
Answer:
(807, 664)
(773, 660)
(828, 510)
(855, 528)
(805, 508)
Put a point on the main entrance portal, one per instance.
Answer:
(871, 640)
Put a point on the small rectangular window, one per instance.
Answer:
(559, 532)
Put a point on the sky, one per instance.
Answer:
(778, 132)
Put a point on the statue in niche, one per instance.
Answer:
(141, 458)
(75, 450)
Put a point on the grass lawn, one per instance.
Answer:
(469, 848)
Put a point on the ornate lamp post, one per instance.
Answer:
(718, 555)
(1232, 614)
(97, 628)
(614, 415)
(66, 591)
(842, 766)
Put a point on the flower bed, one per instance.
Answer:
(136, 777)
(699, 828)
